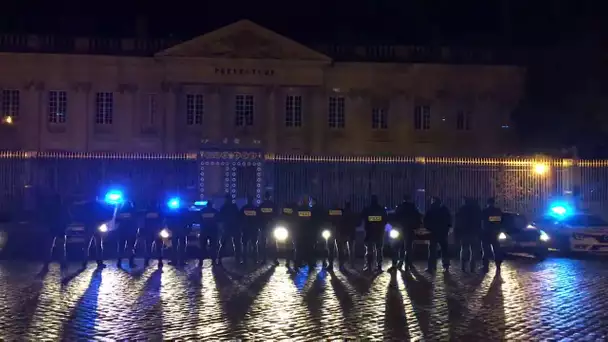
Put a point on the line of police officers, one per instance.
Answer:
(249, 230)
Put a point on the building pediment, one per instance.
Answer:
(244, 40)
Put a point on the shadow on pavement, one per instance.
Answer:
(149, 308)
(395, 321)
(83, 319)
(313, 297)
(239, 290)
(420, 292)
(361, 282)
(345, 301)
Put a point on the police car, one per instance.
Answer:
(576, 232)
(195, 228)
(518, 236)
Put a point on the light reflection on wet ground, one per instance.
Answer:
(559, 299)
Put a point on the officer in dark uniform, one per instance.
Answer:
(209, 237)
(335, 218)
(250, 228)
(289, 218)
(152, 224)
(55, 216)
(409, 218)
(438, 221)
(230, 218)
(267, 213)
(307, 234)
(127, 225)
(93, 213)
(177, 220)
(492, 223)
(346, 234)
(375, 219)
(467, 231)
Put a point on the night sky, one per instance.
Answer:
(567, 41)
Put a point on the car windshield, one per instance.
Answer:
(513, 222)
(585, 220)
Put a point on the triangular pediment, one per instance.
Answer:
(244, 40)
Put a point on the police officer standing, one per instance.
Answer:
(492, 223)
(55, 216)
(346, 234)
(409, 217)
(152, 224)
(177, 220)
(307, 233)
(467, 231)
(250, 228)
(438, 221)
(375, 219)
(229, 217)
(289, 216)
(209, 236)
(335, 219)
(93, 213)
(126, 220)
(267, 213)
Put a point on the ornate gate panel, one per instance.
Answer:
(228, 170)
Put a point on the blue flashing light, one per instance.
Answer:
(560, 210)
(114, 197)
(201, 203)
(174, 203)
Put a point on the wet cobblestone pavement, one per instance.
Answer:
(558, 299)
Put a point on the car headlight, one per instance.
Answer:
(502, 236)
(280, 233)
(326, 234)
(164, 234)
(544, 236)
(103, 228)
(530, 226)
(394, 234)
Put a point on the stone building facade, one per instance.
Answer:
(254, 87)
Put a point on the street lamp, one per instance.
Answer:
(540, 168)
(8, 120)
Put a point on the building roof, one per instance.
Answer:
(238, 41)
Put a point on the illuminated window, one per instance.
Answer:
(463, 121)
(104, 105)
(10, 103)
(422, 118)
(195, 106)
(244, 110)
(151, 110)
(58, 106)
(293, 111)
(379, 118)
(336, 118)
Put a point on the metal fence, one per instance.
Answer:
(519, 184)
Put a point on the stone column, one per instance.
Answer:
(42, 114)
(213, 115)
(28, 112)
(318, 121)
(170, 94)
(125, 120)
(80, 117)
(271, 121)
